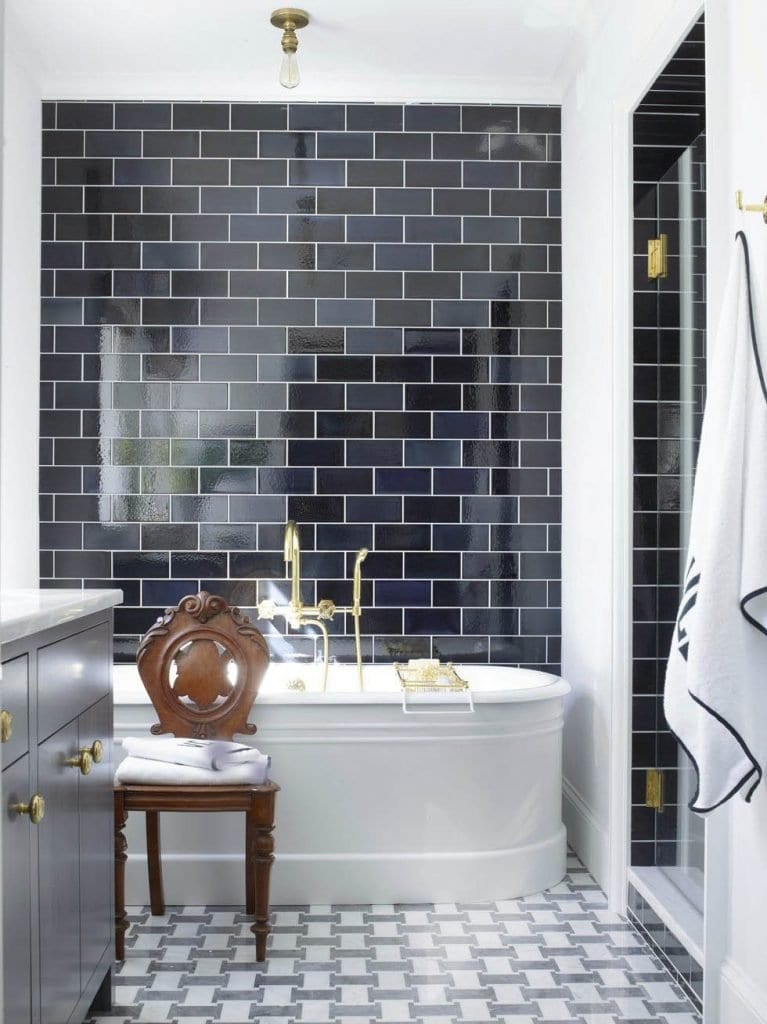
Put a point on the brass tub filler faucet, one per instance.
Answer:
(298, 614)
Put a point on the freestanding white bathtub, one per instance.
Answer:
(379, 806)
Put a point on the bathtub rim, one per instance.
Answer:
(128, 689)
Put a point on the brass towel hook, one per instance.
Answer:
(751, 207)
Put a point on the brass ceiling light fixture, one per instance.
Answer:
(289, 19)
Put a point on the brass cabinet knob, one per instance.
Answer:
(83, 761)
(6, 726)
(35, 809)
(97, 751)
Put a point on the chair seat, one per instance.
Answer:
(146, 772)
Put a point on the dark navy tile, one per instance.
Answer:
(84, 115)
(403, 313)
(229, 144)
(345, 424)
(201, 115)
(106, 143)
(259, 172)
(489, 119)
(200, 172)
(262, 228)
(433, 229)
(345, 257)
(384, 452)
(428, 509)
(373, 284)
(315, 284)
(316, 117)
(374, 117)
(373, 340)
(387, 228)
(403, 257)
(142, 172)
(316, 229)
(374, 172)
(243, 199)
(108, 199)
(301, 145)
(402, 146)
(351, 480)
(259, 116)
(153, 116)
(165, 255)
(316, 339)
(432, 285)
(403, 368)
(399, 593)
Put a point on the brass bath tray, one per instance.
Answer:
(425, 678)
(429, 675)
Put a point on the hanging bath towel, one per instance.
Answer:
(716, 678)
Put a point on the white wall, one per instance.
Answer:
(737, 145)
(621, 63)
(19, 318)
(623, 60)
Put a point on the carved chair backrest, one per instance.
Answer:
(202, 664)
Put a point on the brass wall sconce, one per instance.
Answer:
(289, 19)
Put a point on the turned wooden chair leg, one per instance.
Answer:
(121, 856)
(250, 865)
(154, 862)
(262, 862)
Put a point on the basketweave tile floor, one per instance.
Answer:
(559, 956)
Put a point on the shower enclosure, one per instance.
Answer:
(667, 839)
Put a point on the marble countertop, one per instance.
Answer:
(23, 612)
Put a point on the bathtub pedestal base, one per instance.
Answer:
(368, 878)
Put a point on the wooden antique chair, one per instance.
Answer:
(201, 665)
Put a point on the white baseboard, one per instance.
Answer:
(586, 835)
(742, 1002)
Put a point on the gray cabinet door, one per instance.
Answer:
(59, 856)
(17, 895)
(96, 841)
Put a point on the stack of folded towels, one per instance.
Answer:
(191, 762)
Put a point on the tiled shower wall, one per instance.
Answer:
(346, 315)
(670, 119)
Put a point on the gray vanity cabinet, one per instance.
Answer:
(17, 895)
(96, 816)
(58, 837)
(58, 871)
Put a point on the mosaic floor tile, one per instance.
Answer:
(558, 957)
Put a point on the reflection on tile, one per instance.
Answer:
(344, 314)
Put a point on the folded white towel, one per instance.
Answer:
(143, 771)
(209, 754)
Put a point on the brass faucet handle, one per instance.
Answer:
(267, 609)
(326, 608)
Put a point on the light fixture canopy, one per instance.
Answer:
(289, 19)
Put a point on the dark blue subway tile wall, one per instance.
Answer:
(347, 315)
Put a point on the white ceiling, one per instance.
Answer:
(498, 50)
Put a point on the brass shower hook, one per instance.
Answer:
(751, 207)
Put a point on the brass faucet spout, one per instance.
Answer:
(292, 556)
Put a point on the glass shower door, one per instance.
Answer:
(681, 208)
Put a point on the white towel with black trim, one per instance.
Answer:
(143, 771)
(716, 685)
(215, 755)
